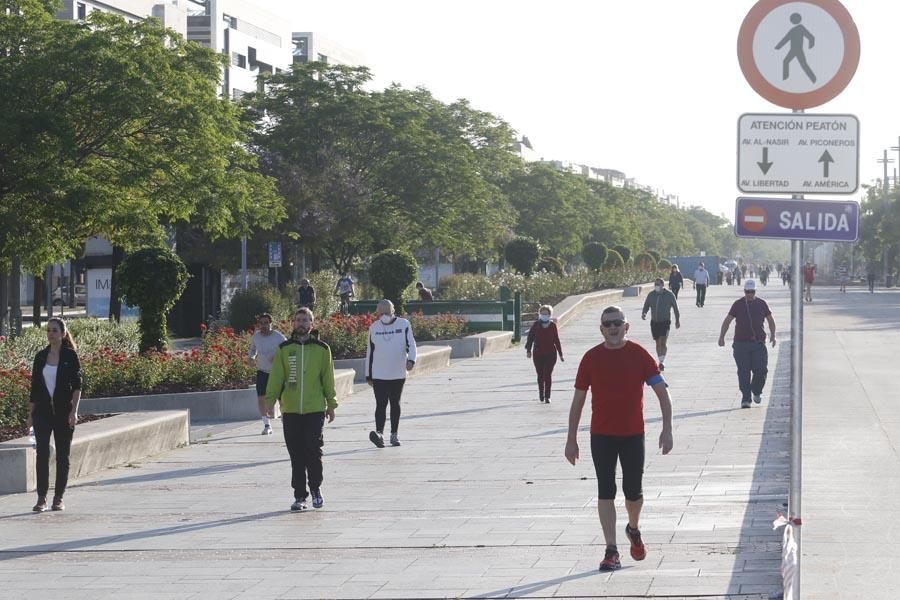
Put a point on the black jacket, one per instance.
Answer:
(306, 296)
(68, 379)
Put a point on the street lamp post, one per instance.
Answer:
(884, 202)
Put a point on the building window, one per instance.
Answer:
(82, 10)
(238, 60)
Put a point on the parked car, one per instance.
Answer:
(61, 295)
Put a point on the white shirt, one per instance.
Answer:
(701, 277)
(50, 378)
(389, 347)
(264, 347)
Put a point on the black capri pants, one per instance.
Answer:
(607, 450)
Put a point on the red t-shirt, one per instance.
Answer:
(616, 379)
(809, 273)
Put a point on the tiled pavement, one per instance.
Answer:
(478, 502)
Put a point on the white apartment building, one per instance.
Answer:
(255, 40)
(315, 47)
(172, 13)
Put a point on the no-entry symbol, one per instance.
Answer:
(754, 218)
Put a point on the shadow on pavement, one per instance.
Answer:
(13, 553)
(531, 588)
(771, 472)
(180, 474)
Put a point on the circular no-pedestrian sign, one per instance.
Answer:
(754, 218)
(798, 54)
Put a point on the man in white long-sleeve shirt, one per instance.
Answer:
(390, 353)
(263, 345)
(701, 280)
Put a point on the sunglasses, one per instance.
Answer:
(613, 323)
(749, 291)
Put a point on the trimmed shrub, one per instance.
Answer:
(614, 261)
(522, 253)
(246, 304)
(645, 261)
(664, 263)
(624, 252)
(152, 279)
(656, 255)
(551, 264)
(594, 255)
(392, 271)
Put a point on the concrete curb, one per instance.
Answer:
(217, 405)
(573, 305)
(97, 445)
(428, 360)
(475, 346)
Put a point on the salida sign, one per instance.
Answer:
(787, 219)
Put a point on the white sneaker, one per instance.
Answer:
(395, 439)
(298, 505)
(267, 430)
(757, 398)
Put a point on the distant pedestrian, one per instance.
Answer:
(661, 303)
(737, 275)
(263, 345)
(809, 278)
(749, 347)
(390, 354)
(701, 280)
(764, 275)
(870, 276)
(425, 294)
(843, 276)
(55, 395)
(676, 280)
(543, 346)
(616, 372)
(302, 379)
(344, 289)
(306, 295)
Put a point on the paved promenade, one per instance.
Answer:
(478, 502)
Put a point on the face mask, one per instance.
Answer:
(544, 318)
(659, 288)
(386, 319)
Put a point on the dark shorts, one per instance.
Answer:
(262, 380)
(607, 450)
(660, 329)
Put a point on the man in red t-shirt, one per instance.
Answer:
(809, 277)
(616, 371)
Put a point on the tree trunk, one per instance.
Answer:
(4, 303)
(115, 304)
(15, 297)
(36, 301)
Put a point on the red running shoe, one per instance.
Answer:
(638, 550)
(610, 561)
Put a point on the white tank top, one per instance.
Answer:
(50, 378)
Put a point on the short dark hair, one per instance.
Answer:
(304, 311)
(613, 309)
(265, 316)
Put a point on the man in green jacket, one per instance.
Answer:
(661, 303)
(302, 378)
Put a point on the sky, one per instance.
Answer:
(652, 88)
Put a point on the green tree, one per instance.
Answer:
(115, 128)
(392, 271)
(152, 279)
(594, 255)
(523, 253)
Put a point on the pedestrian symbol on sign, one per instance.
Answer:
(796, 36)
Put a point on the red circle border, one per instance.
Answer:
(789, 99)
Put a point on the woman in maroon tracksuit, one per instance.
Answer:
(542, 346)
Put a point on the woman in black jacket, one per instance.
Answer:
(55, 394)
(676, 280)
